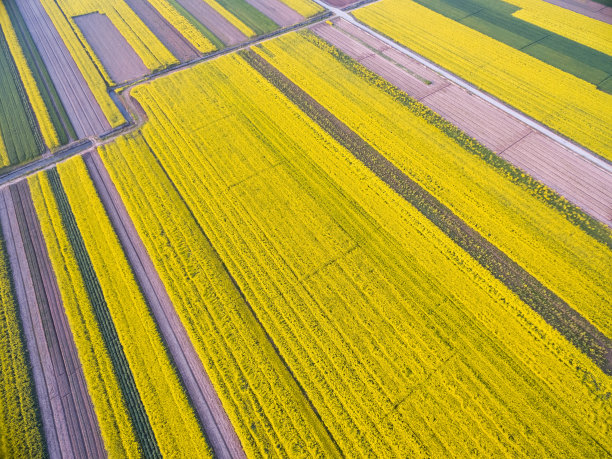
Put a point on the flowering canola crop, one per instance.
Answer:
(573, 107)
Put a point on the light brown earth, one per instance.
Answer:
(112, 49)
(587, 8)
(580, 181)
(216, 424)
(213, 21)
(278, 12)
(172, 39)
(569, 174)
(81, 105)
(69, 421)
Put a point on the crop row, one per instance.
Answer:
(152, 52)
(183, 25)
(476, 190)
(172, 418)
(364, 298)
(129, 358)
(259, 395)
(20, 426)
(583, 29)
(562, 101)
(20, 133)
(59, 118)
(84, 63)
(40, 109)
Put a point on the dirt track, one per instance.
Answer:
(213, 21)
(277, 11)
(69, 422)
(518, 143)
(172, 39)
(118, 57)
(216, 424)
(80, 103)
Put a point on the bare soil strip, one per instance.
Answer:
(490, 125)
(113, 50)
(586, 8)
(172, 39)
(214, 420)
(539, 156)
(213, 21)
(553, 309)
(80, 103)
(69, 421)
(277, 11)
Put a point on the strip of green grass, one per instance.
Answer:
(18, 124)
(197, 24)
(55, 107)
(494, 19)
(138, 414)
(250, 16)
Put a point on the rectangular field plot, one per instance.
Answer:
(118, 57)
(369, 304)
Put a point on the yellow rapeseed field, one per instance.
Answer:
(87, 67)
(108, 402)
(20, 435)
(144, 42)
(572, 106)
(231, 18)
(575, 26)
(306, 8)
(401, 341)
(38, 105)
(185, 27)
(265, 406)
(550, 247)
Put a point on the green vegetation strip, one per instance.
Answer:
(596, 229)
(250, 16)
(197, 24)
(17, 121)
(20, 424)
(494, 19)
(57, 112)
(142, 426)
(553, 309)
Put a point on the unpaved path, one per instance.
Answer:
(69, 420)
(81, 105)
(582, 181)
(217, 426)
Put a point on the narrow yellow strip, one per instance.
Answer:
(40, 109)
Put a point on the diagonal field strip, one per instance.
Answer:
(133, 401)
(573, 326)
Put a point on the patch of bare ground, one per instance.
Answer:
(81, 105)
(214, 420)
(69, 421)
(172, 39)
(580, 181)
(118, 57)
(565, 172)
(217, 24)
(278, 12)
(586, 8)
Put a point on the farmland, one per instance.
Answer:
(276, 228)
